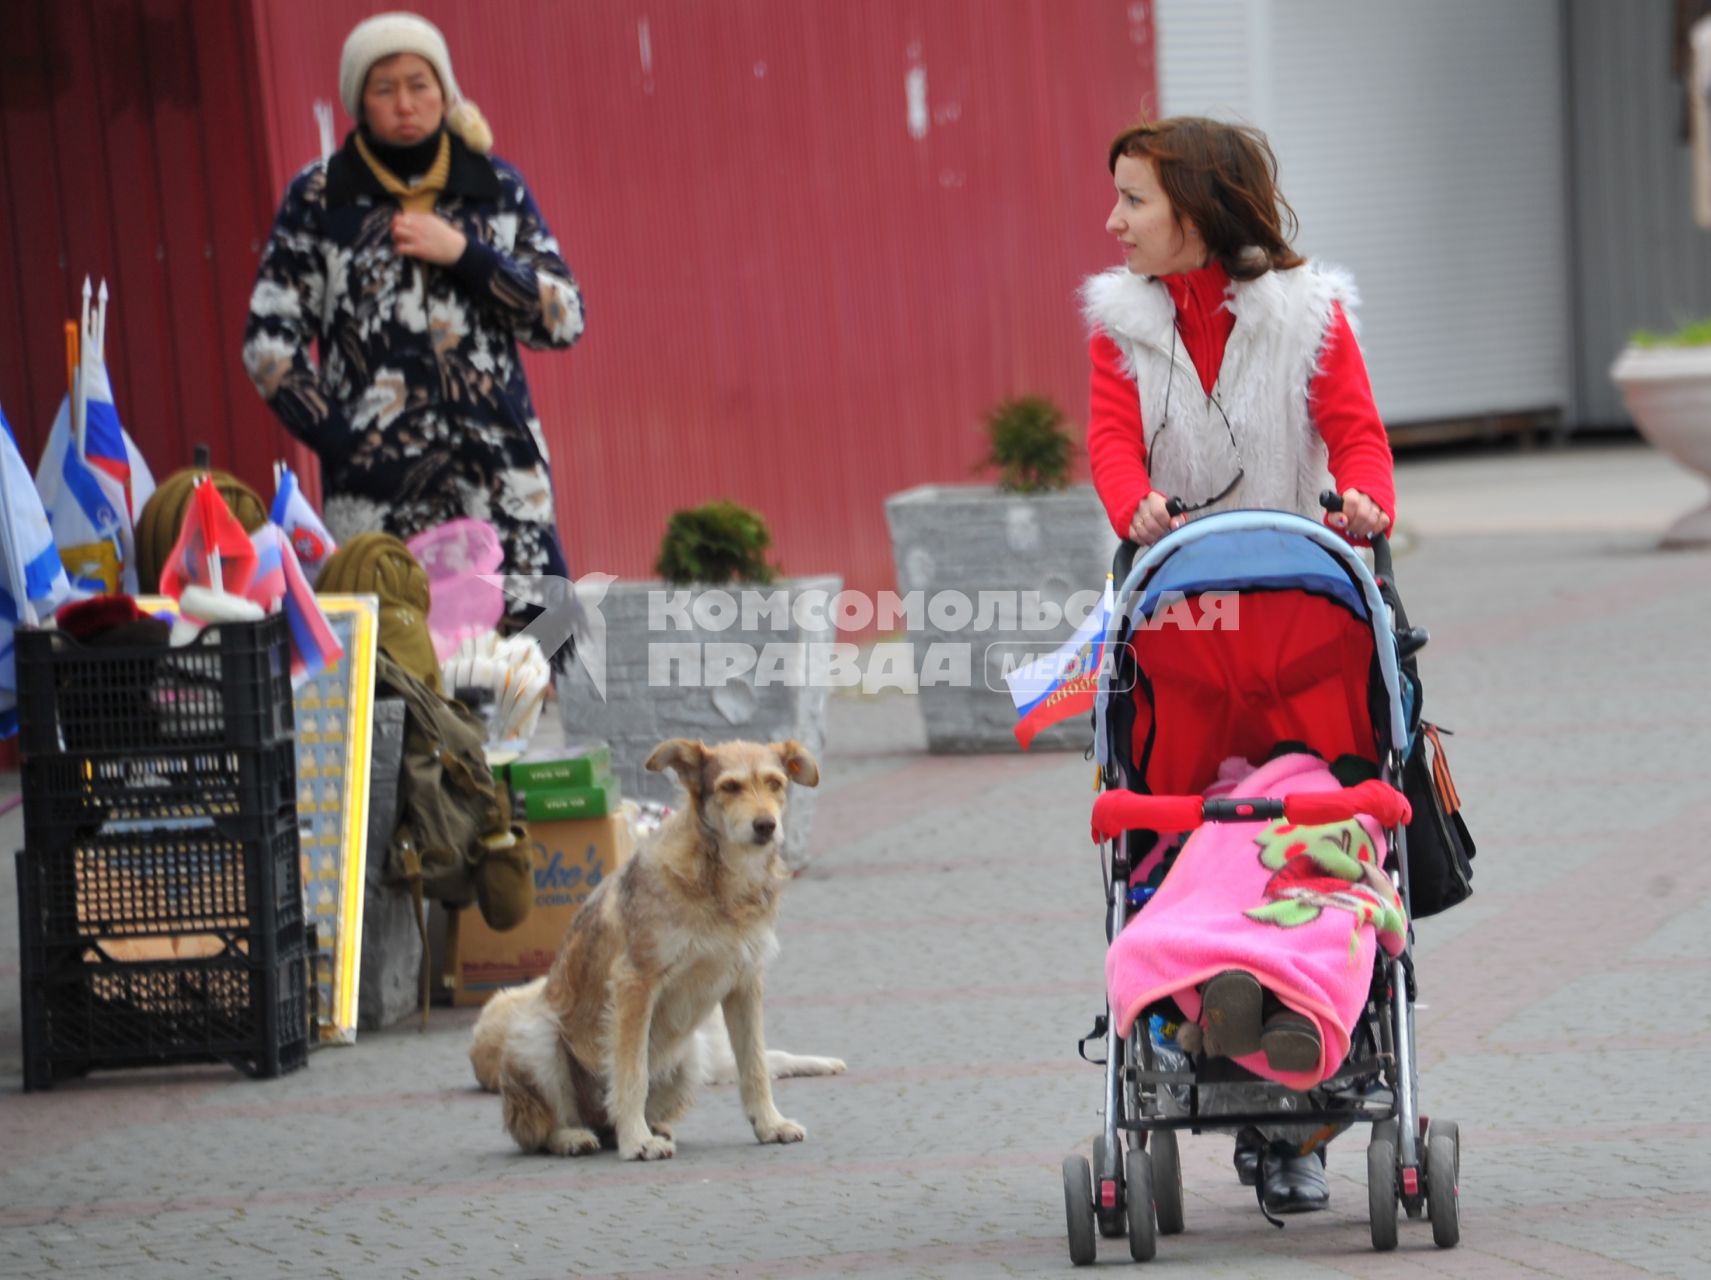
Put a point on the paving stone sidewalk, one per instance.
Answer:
(947, 942)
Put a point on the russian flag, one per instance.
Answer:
(1059, 685)
(294, 514)
(267, 585)
(279, 582)
(314, 647)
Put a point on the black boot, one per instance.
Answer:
(1292, 1183)
(1250, 1142)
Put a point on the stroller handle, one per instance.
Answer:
(1332, 501)
(1115, 812)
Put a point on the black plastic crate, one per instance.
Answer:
(68, 795)
(231, 879)
(230, 687)
(85, 1013)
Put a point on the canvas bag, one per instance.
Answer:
(380, 564)
(454, 838)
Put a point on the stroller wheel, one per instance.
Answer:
(1381, 1185)
(1078, 1208)
(1167, 1181)
(1143, 1230)
(1443, 1183)
(1112, 1223)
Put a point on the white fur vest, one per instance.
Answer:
(1262, 386)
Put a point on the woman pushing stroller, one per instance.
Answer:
(1226, 375)
(1225, 369)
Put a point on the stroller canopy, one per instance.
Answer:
(1242, 631)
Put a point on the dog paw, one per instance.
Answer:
(780, 1130)
(572, 1142)
(651, 1147)
(661, 1130)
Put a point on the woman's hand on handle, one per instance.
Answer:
(1151, 521)
(1360, 517)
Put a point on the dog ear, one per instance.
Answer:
(798, 763)
(684, 758)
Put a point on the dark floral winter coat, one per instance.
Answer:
(418, 410)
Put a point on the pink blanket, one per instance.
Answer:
(1301, 908)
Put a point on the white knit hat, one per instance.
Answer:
(386, 34)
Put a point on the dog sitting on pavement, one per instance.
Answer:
(715, 1063)
(606, 1050)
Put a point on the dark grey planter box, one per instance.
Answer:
(648, 699)
(969, 539)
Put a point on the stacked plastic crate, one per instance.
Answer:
(160, 893)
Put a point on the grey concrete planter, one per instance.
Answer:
(968, 539)
(1668, 392)
(651, 694)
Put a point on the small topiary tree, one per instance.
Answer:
(715, 543)
(1030, 445)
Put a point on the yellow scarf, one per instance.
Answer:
(418, 196)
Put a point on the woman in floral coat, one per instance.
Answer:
(418, 262)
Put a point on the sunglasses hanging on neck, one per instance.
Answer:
(1177, 505)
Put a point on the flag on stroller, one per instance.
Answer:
(32, 579)
(1059, 685)
(303, 527)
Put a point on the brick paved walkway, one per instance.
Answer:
(948, 944)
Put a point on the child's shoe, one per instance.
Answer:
(1291, 1042)
(1230, 1014)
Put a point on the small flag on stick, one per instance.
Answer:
(1059, 685)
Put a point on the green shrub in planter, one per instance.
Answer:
(716, 543)
(1031, 447)
(1695, 333)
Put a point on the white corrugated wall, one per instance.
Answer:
(1422, 146)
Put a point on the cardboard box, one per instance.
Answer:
(557, 804)
(560, 767)
(571, 859)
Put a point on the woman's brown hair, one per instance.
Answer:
(1223, 179)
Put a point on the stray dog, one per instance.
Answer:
(605, 1053)
(714, 1061)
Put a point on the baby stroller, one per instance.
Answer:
(1321, 657)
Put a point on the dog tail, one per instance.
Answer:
(534, 1084)
(487, 1042)
(527, 1115)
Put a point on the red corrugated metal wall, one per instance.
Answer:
(797, 296)
(128, 150)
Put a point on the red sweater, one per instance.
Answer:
(1339, 399)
